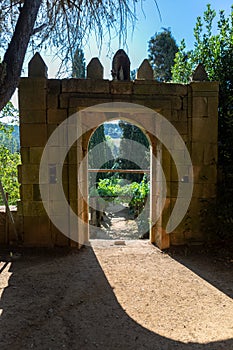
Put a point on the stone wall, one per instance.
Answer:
(45, 103)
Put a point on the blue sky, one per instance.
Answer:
(179, 15)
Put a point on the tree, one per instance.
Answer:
(162, 50)
(9, 158)
(10, 139)
(9, 174)
(95, 158)
(183, 65)
(215, 51)
(61, 24)
(132, 132)
(9, 131)
(78, 66)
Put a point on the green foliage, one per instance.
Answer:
(126, 152)
(162, 50)
(132, 132)
(128, 189)
(139, 193)
(10, 111)
(9, 158)
(9, 133)
(215, 51)
(78, 64)
(9, 174)
(112, 188)
(95, 158)
(9, 137)
(118, 190)
(183, 66)
(133, 195)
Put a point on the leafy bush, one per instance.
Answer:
(9, 160)
(214, 47)
(134, 194)
(9, 137)
(139, 193)
(111, 188)
(9, 174)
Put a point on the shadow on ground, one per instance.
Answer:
(62, 300)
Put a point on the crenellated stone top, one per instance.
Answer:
(95, 70)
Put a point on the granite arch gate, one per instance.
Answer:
(45, 103)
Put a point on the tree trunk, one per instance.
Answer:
(10, 68)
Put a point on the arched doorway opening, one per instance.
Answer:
(119, 169)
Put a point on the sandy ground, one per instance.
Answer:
(109, 297)
(118, 224)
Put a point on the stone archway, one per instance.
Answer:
(192, 109)
(134, 152)
(146, 121)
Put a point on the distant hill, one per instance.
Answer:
(11, 141)
(15, 133)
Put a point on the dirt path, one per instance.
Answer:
(119, 229)
(116, 225)
(113, 297)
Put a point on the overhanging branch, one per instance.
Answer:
(15, 53)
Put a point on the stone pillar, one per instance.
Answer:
(204, 136)
(158, 233)
(33, 137)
